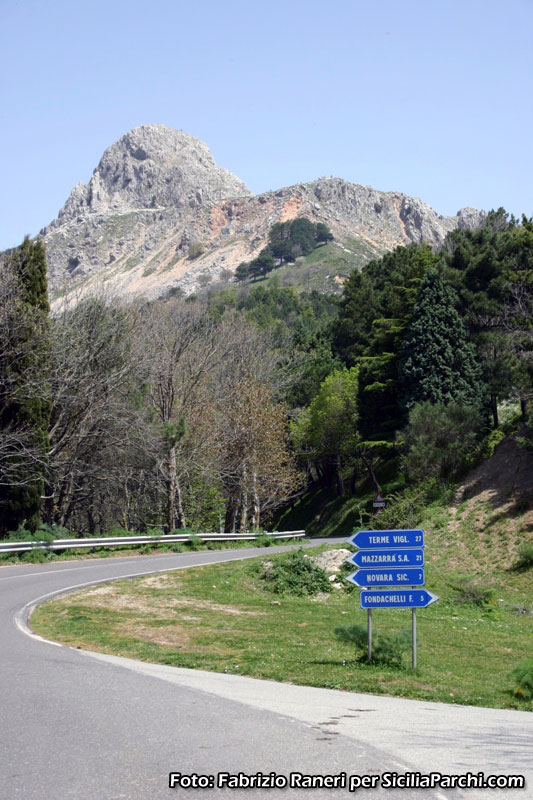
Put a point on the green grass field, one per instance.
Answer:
(324, 268)
(222, 618)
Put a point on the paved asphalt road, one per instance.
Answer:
(79, 725)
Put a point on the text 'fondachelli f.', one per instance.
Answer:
(390, 572)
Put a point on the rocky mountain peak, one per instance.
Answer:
(158, 214)
(153, 166)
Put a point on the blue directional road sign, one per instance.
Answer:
(397, 598)
(387, 576)
(390, 558)
(370, 540)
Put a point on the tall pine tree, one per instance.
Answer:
(24, 400)
(438, 363)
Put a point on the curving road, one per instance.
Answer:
(87, 726)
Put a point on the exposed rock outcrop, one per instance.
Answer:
(158, 191)
(151, 167)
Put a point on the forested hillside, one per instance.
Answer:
(222, 409)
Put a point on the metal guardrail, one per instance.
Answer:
(116, 541)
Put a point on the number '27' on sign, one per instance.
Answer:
(368, 540)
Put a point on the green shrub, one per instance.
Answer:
(46, 533)
(63, 533)
(22, 534)
(345, 569)
(386, 650)
(182, 531)
(491, 442)
(211, 545)
(194, 542)
(472, 593)
(118, 531)
(35, 556)
(523, 678)
(404, 508)
(524, 437)
(196, 249)
(525, 557)
(294, 574)
(153, 532)
(264, 541)
(440, 440)
(510, 416)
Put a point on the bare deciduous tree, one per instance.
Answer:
(182, 347)
(93, 420)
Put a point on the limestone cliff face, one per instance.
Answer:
(150, 183)
(152, 167)
(158, 191)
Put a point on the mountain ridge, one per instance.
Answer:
(159, 214)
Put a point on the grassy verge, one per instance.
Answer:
(223, 618)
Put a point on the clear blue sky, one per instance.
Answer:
(425, 97)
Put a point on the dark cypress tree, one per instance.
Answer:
(379, 299)
(265, 261)
(517, 292)
(24, 401)
(437, 361)
(323, 233)
(476, 264)
(303, 235)
(374, 312)
(243, 271)
(280, 241)
(29, 262)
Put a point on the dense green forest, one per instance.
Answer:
(220, 409)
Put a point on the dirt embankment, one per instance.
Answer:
(492, 511)
(505, 478)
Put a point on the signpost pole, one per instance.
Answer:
(413, 625)
(390, 568)
(369, 634)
